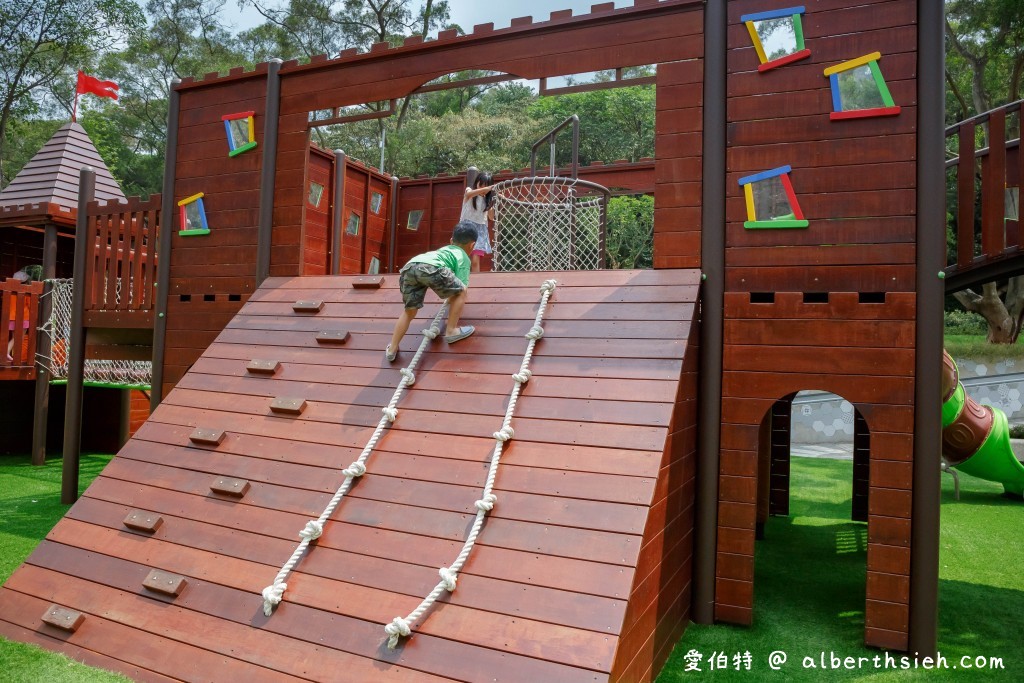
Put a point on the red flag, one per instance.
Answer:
(90, 84)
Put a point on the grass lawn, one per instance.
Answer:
(29, 507)
(810, 581)
(810, 573)
(971, 346)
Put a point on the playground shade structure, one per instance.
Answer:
(581, 571)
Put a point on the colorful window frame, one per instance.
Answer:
(235, 150)
(798, 31)
(782, 173)
(871, 61)
(183, 207)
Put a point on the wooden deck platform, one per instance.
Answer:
(582, 570)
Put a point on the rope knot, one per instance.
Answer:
(522, 377)
(430, 333)
(410, 378)
(449, 578)
(536, 332)
(486, 504)
(312, 531)
(504, 434)
(390, 413)
(356, 469)
(272, 596)
(548, 286)
(396, 629)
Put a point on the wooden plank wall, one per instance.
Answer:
(316, 223)
(647, 33)
(855, 182)
(371, 241)
(580, 572)
(213, 275)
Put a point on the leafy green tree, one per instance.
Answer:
(616, 123)
(630, 236)
(985, 68)
(42, 43)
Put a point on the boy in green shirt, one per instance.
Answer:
(446, 271)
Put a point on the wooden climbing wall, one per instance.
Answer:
(582, 570)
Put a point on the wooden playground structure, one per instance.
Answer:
(640, 474)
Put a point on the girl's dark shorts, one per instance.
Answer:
(415, 278)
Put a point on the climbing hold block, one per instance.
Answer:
(207, 437)
(236, 488)
(288, 406)
(143, 521)
(164, 582)
(332, 336)
(263, 367)
(308, 306)
(63, 618)
(367, 282)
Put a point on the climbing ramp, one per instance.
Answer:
(581, 567)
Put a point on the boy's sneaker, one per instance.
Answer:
(461, 333)
(390, 355)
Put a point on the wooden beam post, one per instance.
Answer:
(41, 409)
(931, 255)
(271, 117)
(709, 410)
(338, 210)
(163, 249)
(76, 345)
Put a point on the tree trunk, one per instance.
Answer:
(1001, 325)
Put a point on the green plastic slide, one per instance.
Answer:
(994, 459)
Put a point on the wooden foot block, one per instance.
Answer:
(263, 367)
(207, 437)
(164, 582)
(288, 406)
(332, 337)
(367, 282)
(63, 618)
(143, 521)
(308, 306)
(236, 488)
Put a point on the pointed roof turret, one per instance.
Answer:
(51, 176)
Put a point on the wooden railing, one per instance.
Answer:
(121, 266)
(986, 231)
(19, 314)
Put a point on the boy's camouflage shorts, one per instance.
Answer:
(417, 277)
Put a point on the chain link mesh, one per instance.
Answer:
(128, 373)
(545, 223)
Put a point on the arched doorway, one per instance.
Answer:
(812, 483)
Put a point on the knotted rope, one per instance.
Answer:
(403, 627)
(273, 593)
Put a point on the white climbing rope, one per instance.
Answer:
(449, 575)
(273, 593)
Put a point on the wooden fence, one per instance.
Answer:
(19, 312)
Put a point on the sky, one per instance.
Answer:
(465, 13)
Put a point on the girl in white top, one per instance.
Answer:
(476, 209)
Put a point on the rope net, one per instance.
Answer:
(124, 373)
(545, 223)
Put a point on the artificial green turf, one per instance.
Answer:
(810, 581)
(29, 507)
(809, 587)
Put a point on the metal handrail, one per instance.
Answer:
(550, 136)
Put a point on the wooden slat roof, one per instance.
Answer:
(51, 176)
(545, 593)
